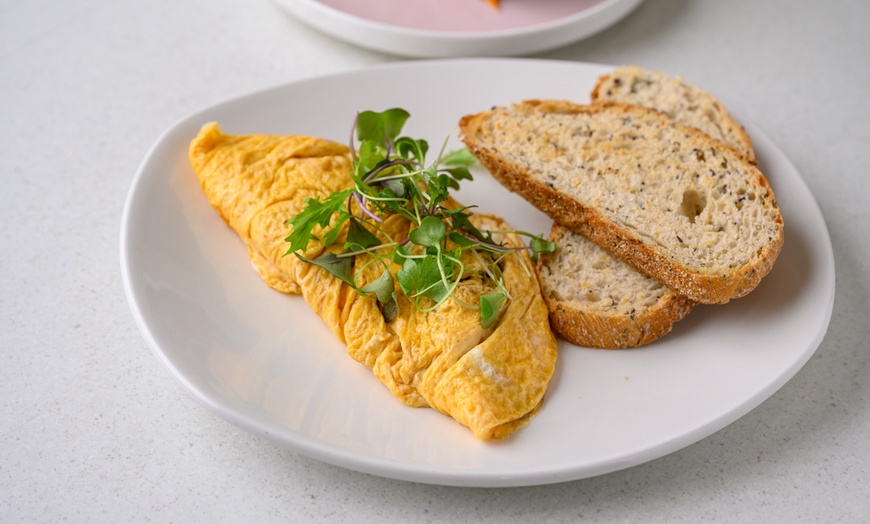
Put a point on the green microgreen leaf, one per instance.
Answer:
(438, 186)
(421, 277)
(340, 267)
(490, 304)
(381, 128)
(412, 149)
(459, 157)
(447, 182)
(315, 213)
(332, 235)
(462, 223)
(384, 289)
(458, 173)
(390, 309)
(369, 157)
(460, 240)
(358, 237)
(429, 233)
(540, 245)
(413, 277)
(395, 186)
(401, 254)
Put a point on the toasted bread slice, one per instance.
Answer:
(676, 98)
(596, 300)
(664, 197)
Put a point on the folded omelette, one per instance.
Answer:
(491, 380)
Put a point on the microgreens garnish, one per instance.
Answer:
(390, 177)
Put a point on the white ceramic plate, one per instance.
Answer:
(457, 28)
(265, 362)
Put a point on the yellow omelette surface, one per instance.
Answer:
(492, 381)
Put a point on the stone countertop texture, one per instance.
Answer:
(94, 429)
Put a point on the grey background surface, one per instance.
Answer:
(93, 428)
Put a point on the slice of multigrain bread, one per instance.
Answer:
(596, 300)
(678, 99)
(664, 197)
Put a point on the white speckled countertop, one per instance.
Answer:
(93, 428)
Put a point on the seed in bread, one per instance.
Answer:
(662, 196)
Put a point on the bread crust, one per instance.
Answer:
(595, 225)
(617, 332)
(611, 329)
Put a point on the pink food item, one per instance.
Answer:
(462, 15)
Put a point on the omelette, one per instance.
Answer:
(492, 380)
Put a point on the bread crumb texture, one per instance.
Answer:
(676, 98)
(596, 300)
(580, 272)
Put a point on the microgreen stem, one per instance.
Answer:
(497, 281)
(392, 163)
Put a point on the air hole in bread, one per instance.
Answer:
(692, 205)
(743, 195)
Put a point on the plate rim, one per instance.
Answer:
(390, 468)
(404, 41)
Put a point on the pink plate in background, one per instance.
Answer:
(432, 28)
(463, 15)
